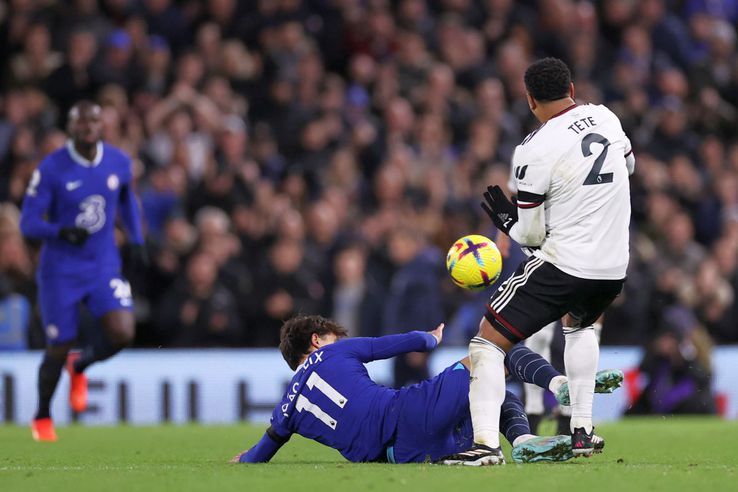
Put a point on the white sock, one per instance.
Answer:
(597, 327)
(486, 390)
(565, 410)
(556, 383)
(522, 439)
(539, 342)
(581, 356)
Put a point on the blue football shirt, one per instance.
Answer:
(67, 191)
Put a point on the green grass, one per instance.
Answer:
(641, 455)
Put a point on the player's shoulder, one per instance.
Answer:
(54, 161)
(602, 111)
(113, 152)
(531, 149)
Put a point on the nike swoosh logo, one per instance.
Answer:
(73, 185)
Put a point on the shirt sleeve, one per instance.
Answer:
(265, 449)
(39, 194)
(369, 349)
(630, 161)
(130, 211)
(532, 180)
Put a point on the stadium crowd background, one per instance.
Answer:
(319, 156)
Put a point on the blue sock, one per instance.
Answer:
(530, 367)
(513, 420)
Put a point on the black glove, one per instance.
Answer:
(74, 235)
(502, 211)
(138, 257)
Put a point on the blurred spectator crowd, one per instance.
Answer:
(320, 156)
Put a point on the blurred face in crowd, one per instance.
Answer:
(403, 246)
(286, 256)
(679, 232)
(350, 266)
(38, 41)
(291, 225)
(322, 223)
(202, 271)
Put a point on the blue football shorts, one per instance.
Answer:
(434, 418)
(60, 295)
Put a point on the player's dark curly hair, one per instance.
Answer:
(548, 79)
(295, 335)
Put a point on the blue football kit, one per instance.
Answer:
(67, 190)
(331, 399)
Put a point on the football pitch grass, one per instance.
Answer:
(650, 454)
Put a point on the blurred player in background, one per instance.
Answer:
(332, 400)
(577, 166)
(71, 204)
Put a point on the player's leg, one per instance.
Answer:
(533, 369)
(118, 333)
(110, 301)
(539, 343)
(429, 414)
(58, 304)
(533, 297)
(581, 357)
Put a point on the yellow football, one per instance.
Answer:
(474, 262)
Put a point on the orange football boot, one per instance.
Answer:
(77, 385)
(42, 430)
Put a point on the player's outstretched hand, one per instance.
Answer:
(438, 333)
(74, 235)
(235, 459)
(500, 209)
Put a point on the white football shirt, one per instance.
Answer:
(577, 161)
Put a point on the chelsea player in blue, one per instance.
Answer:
(332, 400)
(71, 204)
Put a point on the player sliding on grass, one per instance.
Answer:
(71, 204)
(331, 399)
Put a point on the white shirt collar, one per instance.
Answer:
(76, 157)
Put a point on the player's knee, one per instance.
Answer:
(568, 330)
(124, 336)
(122, 332)
(58, 352)
(488, 332)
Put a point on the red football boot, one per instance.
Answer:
(77, 385)
(42, 430)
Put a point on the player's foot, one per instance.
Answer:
(77, 386)
(543, 448)
(606, 381)
(598, 443)
(42, 430)
(582, 443)
(478, 455)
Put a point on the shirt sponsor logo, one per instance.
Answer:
(520, 171)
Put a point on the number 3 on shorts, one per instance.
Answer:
(122, 291)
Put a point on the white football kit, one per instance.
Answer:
(578, 164)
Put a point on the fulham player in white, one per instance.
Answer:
(572, 209)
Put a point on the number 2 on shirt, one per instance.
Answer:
(315, 381)
(594, 177)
